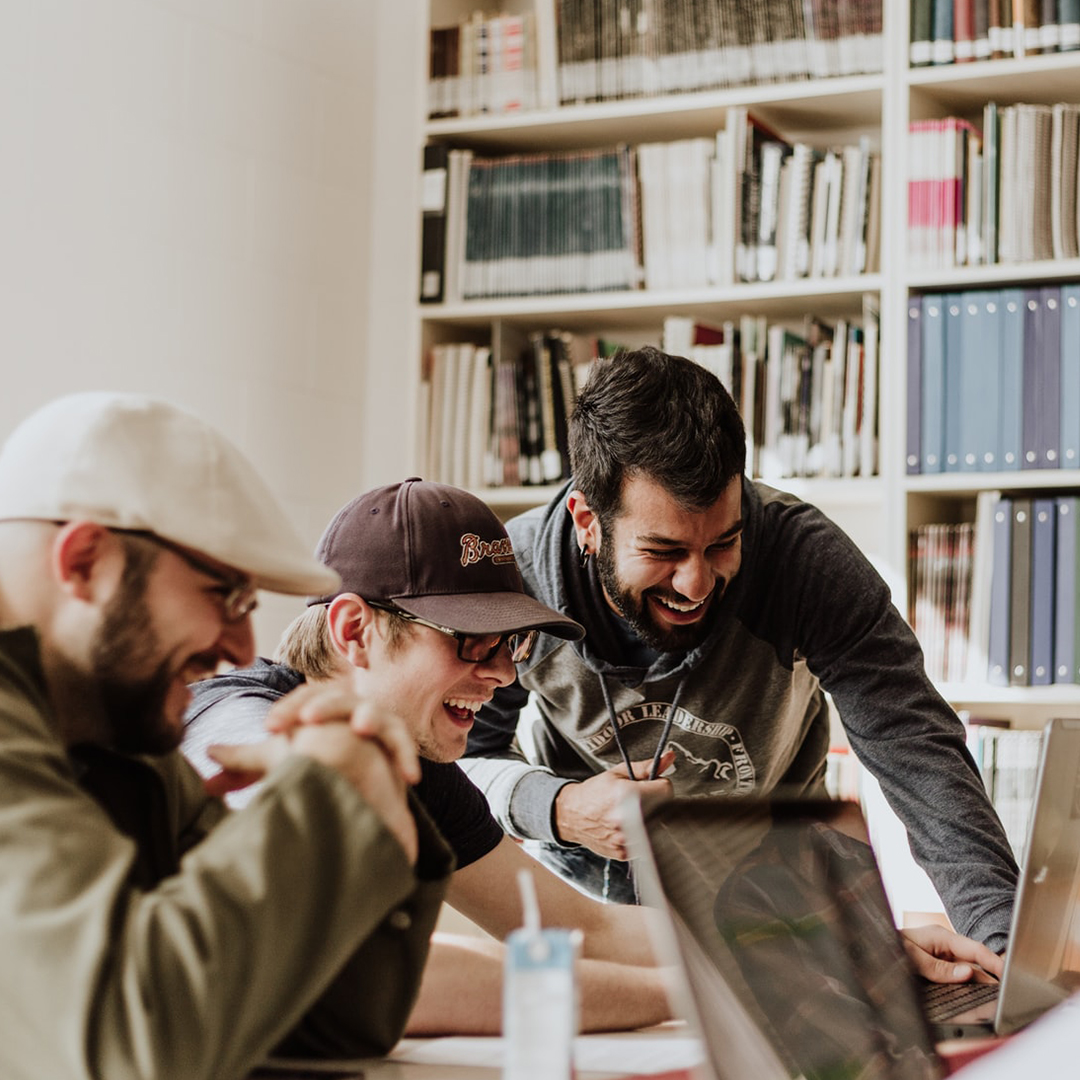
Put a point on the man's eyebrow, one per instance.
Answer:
(658, 540)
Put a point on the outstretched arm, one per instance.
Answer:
(486, 891)
(461, 991)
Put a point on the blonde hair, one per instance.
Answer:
(306, 646)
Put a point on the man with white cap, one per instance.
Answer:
(429, 620)
(145, 930)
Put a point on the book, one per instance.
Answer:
(1050, 354)
(1000, 595)
(433, 195)
(955, 391)
(1043, 535)
(984, 366)
(932, 404)
(1020, 594)
(941, 34)
(1069, 378)
(1067, 591)
(913, 455)
(920, 46)
(1031, 392)
(982, 578)
(1011, 312)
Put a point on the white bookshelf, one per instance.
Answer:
(877, 512)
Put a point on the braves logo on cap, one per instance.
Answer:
(473, 549)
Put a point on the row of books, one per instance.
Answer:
(497, 417)
(1005, 194)
(939, 596)
(750, 206)
(485, 64)
(808, 397)
(993, 380)
(959, 31)
(1008, 760)
(743, 206)
(569, 51)
(997, 600)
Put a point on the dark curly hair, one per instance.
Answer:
(645, 412)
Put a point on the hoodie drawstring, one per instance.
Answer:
(664, 734)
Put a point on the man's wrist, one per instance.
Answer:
(532, 806)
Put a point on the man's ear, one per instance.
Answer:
(86, 559)
(586, 523)
(351, 622)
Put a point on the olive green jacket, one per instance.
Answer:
(147, 932)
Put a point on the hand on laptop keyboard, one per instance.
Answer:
(944, 956)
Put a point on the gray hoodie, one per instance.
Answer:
(806, 613)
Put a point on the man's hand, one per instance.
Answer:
(589, 812)
(363, 763)
(335, 701)
(944, 956)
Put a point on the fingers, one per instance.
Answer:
(336, 701)
(248, 759)
(945, 956)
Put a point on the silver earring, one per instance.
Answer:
(584, 554)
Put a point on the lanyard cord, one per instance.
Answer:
(668, 720)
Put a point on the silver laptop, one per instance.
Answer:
(791, 962)
(1042, 965)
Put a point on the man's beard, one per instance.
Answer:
(635, 610)
(133, 708)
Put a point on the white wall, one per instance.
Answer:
(187, 209)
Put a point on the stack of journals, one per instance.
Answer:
(1006, 194)
(959, 31)
(564, 52)
(744, 205)
(1008, 760)
(994, 380)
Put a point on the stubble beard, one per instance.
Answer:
(635, 610)
(133, 709)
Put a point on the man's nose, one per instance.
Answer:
(500, 669)
(694, 578)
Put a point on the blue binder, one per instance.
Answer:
(932, 413)
(1043, 534)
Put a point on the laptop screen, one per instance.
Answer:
(783, 901)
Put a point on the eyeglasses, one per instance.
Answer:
(475, 648)
(236, 595)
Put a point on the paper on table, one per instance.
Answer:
(639, 1055)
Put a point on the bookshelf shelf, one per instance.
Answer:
(968, 86)
(968, 696)
(973, 277)
(827, 296)
(846, 102)
(970, 484)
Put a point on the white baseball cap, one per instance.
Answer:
(129, 462)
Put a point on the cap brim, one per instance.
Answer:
(491, 613)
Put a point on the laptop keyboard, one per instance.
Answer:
(942, 1000)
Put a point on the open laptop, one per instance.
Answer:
(1042, 965)
(791, 962)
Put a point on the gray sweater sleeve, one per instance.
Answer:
(868, 659)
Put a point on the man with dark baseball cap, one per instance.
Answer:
(144, 930)
(429, 620)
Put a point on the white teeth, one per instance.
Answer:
(683, 608)
(457, 703)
